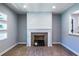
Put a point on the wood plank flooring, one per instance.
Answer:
(55, 50)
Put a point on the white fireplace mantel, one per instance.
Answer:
(49, 31)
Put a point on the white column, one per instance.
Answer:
(28, 38)
(49, 39)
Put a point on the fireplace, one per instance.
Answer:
(31, 33)
(39, 38)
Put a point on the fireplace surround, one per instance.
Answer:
(49, 37)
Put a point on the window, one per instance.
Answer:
(74, 23)
(3, 26)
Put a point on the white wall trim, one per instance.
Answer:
(70, 49)
(21, 42)
(7, 49)
(56, 43)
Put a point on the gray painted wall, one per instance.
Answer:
(22, 32)
(12, 28)
(69, 40)
(56, 27)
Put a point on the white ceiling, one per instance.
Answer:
(39, 7)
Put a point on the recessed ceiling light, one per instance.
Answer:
(54, 7)
(25, 6)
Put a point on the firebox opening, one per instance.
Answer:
(39, 39)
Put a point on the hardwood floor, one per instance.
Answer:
(55, 50)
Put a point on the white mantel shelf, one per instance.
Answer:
(39, 28)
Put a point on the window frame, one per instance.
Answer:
(3, 32)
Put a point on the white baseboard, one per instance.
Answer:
(21, 42)
(70, 49)
(56, 42)
(53, 43)
(7, 49)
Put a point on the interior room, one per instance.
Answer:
(39, 29)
